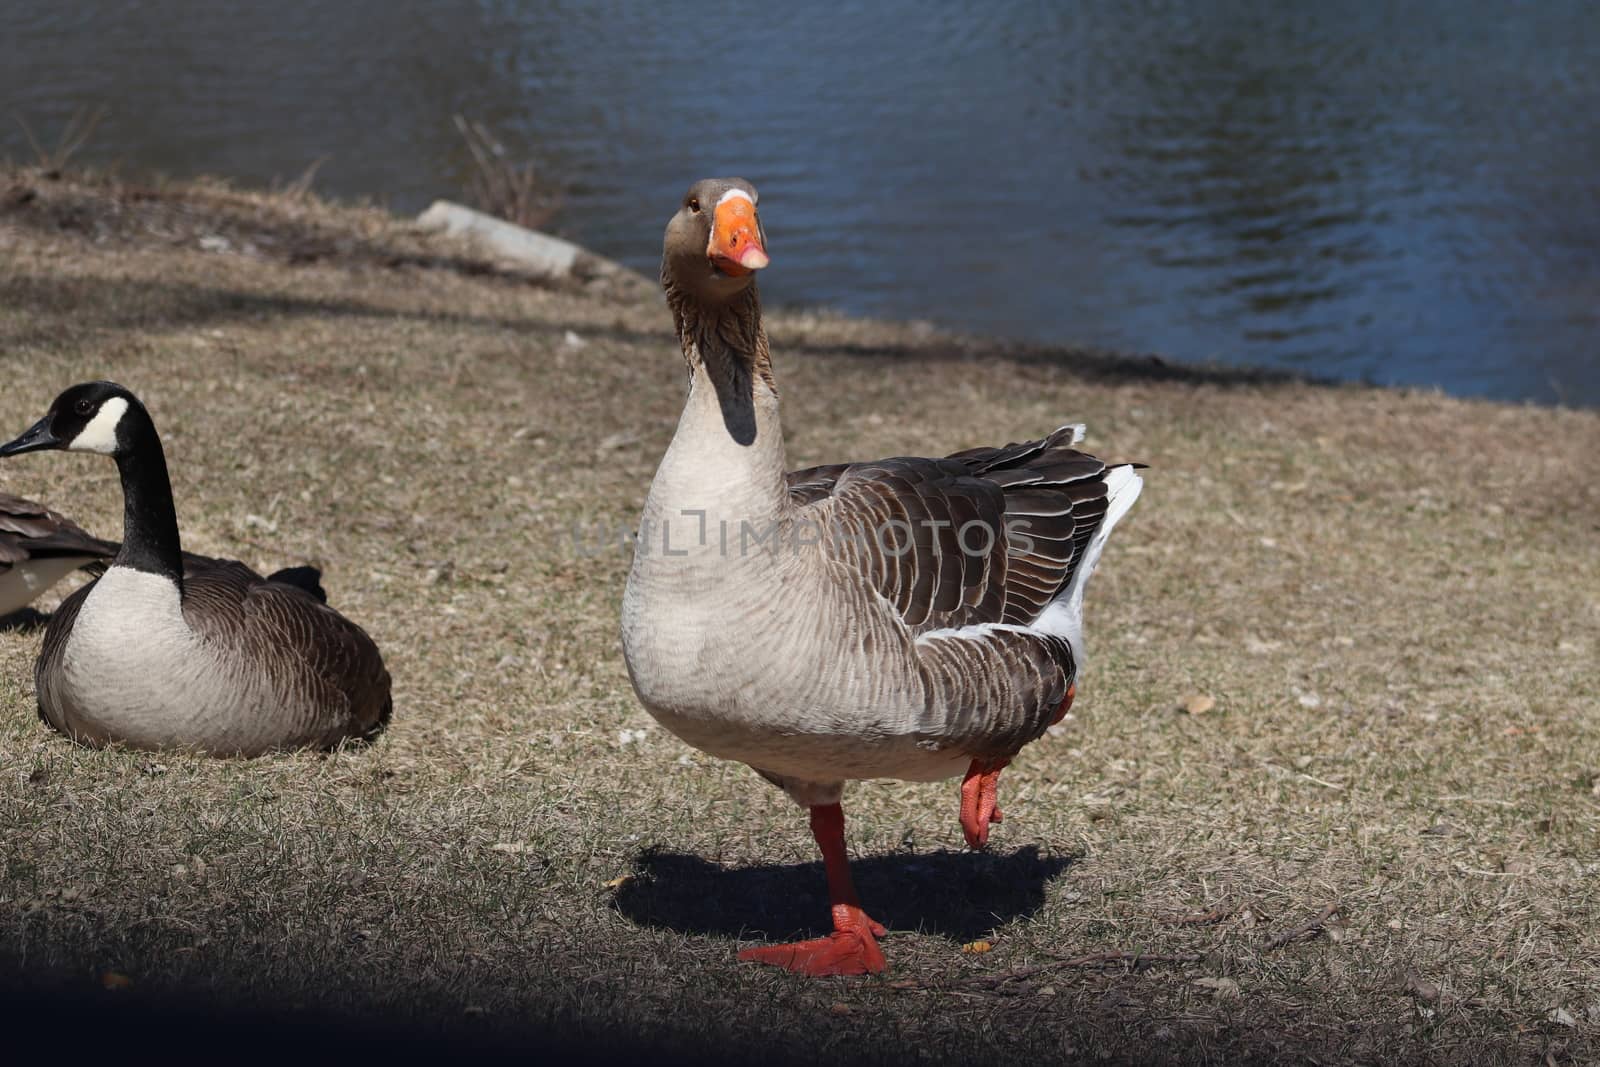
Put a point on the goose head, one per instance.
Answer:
(91, 417)
(714, 244)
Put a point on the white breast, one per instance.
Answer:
(133, 670)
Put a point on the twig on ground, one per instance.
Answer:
(1133, 961)
(1303, 931)
(1460, 799)
(1206, 918)
(1284, 772)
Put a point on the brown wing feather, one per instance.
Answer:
(47, 666)
(996, 535)
(321, 658)
(1003, 687)
(899, 522)
(814, 483)
(984, 535)
(32, 531)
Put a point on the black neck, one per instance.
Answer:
(149, 519)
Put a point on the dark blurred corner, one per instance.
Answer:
(52, 1016)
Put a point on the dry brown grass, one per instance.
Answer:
(1393, 597)
(77, 132)
(498, 184)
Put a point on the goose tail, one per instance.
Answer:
(308, 579)
(1064, 616)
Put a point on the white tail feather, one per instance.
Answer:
(1064, 615)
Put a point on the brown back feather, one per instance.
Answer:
(321, 657)
(983, 535)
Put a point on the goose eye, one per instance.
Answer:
(84, 407)
(694, 205)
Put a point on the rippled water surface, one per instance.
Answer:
(1403, 193)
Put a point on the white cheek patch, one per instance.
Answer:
(101, 433)
(732, 194)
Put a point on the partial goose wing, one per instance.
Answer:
(898, 524)
(971, 551)
(325, 664)
(32, 531)
(989, 535)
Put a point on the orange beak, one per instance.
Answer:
(735, 245)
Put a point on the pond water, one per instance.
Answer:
(1399, 193)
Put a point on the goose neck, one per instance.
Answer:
(149, 518)
(728, 451)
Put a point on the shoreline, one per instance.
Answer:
(99, 200)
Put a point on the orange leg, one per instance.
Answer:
(851, 948)
(978, 802)
(978, 808)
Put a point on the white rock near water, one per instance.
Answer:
(538, 253)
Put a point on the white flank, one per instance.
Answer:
(26, 580)
(1064, 616)
(101, 433)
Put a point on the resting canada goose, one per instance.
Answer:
(169, 650)
(38, 548)
(906, 618)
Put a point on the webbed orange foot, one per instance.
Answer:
(850, 949)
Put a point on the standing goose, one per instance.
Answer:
(38, 548)
(170, 650)
(908, 618)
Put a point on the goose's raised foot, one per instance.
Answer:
(979, 788)
(978, 800)
(852, 948)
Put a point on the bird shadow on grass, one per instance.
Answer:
(958, 895)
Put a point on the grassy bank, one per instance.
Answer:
(1393, 600)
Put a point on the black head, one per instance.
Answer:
(715, 244)
(92, 417)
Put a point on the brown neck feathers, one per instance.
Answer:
(728, 337)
